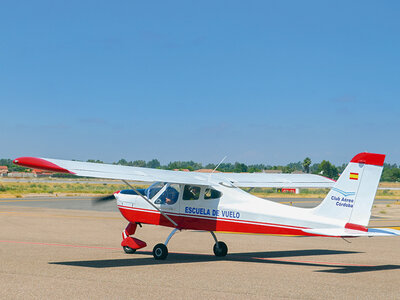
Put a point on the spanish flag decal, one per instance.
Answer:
(354, 176)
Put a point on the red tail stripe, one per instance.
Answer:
(369, 158)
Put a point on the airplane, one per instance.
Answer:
(216, 202)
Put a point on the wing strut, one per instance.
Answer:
(151, 203)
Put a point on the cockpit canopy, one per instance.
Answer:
(171, 194)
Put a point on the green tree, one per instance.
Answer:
(295, 166)
(395, 176)
(210, 166)
(306, 164)
(256, 168)
(190, 165)
(154, 163)
(239, 167)
(139, 163)
(226, 167)
(95, 161)
(123, 162)
(11, 167)
(328, 170)
(390, 174)
(287, 169)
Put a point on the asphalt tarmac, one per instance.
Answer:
(85, 203)
(62, 252)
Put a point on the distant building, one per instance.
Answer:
(289, 190)
(298, 172)
(41, 173)
(273, 171)
(21, 174)
(206, 171)
(3, 170)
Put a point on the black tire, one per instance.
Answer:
(220, 249)
(128, 250)
(160, 251)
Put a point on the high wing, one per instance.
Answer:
(275, 180)
(153, 175)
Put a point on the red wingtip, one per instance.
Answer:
(39, 163)
(369, 159)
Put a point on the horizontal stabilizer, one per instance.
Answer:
(345, 232)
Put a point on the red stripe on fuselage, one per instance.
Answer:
(209, 218)
(193, 222)
(356, 227)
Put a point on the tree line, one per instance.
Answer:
(391, 172)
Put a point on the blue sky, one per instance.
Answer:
(259, 81)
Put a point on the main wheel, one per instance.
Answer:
(160, 251)
(129, 250)
(220, 249)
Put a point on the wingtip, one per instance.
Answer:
(39, 163)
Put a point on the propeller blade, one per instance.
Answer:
(103, 199)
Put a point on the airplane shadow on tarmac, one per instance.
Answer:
(274, 257)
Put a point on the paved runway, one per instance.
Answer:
(85, 203)
(67, 253)
(80, 203)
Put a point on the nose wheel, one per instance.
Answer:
(129, 243)
(128, 250)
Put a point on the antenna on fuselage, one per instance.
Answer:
(209, 177)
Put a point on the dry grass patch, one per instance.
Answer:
(17, 189)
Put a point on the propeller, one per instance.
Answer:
(102, 199)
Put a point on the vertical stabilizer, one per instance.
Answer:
(351, 198)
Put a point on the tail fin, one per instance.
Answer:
(351, 198)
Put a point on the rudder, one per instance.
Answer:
(351, 198)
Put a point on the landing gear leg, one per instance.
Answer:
(220, 248)
(160, 251)
(130, 244)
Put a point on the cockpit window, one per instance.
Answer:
(152, 190)
(170, 195)
(191, 192)
(212, 194)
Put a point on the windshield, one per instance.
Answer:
(152, 190)
(170, 195)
